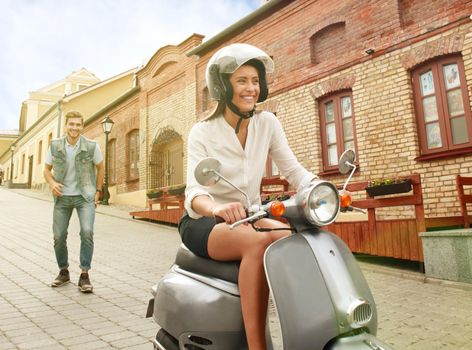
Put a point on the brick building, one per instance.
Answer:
(392, 79)
(152, 121)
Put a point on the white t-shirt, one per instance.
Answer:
(243, 167)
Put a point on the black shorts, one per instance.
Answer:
(195, 233)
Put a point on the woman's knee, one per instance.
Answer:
(259, 243)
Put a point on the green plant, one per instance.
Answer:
(386, 181)
(176, 189)
(154, 193)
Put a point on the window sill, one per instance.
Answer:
(336, 171)
(134, 179)
(445, 154)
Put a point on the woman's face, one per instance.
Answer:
(245, 83)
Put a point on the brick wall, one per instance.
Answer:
(402, 34)
(167, 98)
(126, 118)
(320, 48)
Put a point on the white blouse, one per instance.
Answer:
(244, 167)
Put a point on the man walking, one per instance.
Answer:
(74, 172)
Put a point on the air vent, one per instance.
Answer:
(360, 313)
(200, 340)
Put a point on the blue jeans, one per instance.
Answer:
(63, 209)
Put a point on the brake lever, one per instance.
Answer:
(351, 208)
(256, 216)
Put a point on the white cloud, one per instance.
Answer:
(42, 41)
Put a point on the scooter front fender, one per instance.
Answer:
(314, 280)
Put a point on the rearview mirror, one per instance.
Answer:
(207, 172)
(346, 161)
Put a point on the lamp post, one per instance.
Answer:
(107, 125)
(12, 149)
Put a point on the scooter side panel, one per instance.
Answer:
(184, 305)
(342, 275)
(307, 317)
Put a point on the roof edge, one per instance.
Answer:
(112, 104)
(236, 26)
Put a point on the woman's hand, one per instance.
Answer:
(230, 212)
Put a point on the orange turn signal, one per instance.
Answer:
(346, 199)
(277, 208)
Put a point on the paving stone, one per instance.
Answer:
(413, 315)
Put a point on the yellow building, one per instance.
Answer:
(41, 119)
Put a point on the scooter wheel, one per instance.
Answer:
(164, 341)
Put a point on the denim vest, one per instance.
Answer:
(84, 166)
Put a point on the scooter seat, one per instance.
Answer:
(187, 260)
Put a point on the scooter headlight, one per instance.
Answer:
(320, 203)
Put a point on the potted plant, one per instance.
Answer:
(383, 187)
(154, 193)
(177, 189)
(275, 196)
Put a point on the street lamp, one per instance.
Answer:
(12, 149)
(107, 125)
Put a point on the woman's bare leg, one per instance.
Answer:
(247, 245)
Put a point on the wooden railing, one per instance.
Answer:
(462, 181)
(397, 238)
(170, 207)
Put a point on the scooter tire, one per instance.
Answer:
(164, 341)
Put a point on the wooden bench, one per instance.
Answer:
(462, 181)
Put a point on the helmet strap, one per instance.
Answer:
(241, 115)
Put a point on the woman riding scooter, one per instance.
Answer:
(241, 138)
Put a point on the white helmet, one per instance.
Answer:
(227, 60)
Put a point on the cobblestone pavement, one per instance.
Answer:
(130, 256)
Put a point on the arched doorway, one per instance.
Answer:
(166, 163)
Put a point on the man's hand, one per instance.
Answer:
(56, 188)
(97, 198)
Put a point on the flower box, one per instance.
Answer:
(174, 191)
(382, 190)
(154, 194)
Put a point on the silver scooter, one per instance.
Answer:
(320, 294)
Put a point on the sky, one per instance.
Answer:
(43, 41)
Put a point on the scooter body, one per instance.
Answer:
(321, 296)
(199, 307)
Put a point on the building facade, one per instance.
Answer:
(151, 124)
(391, 79)
(80, 91)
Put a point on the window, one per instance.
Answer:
(337, 127)
(49, 139)
(40, 151)
(271, 169)
(133, 152)
(112, 161)
(442, 107)
(23, 158)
